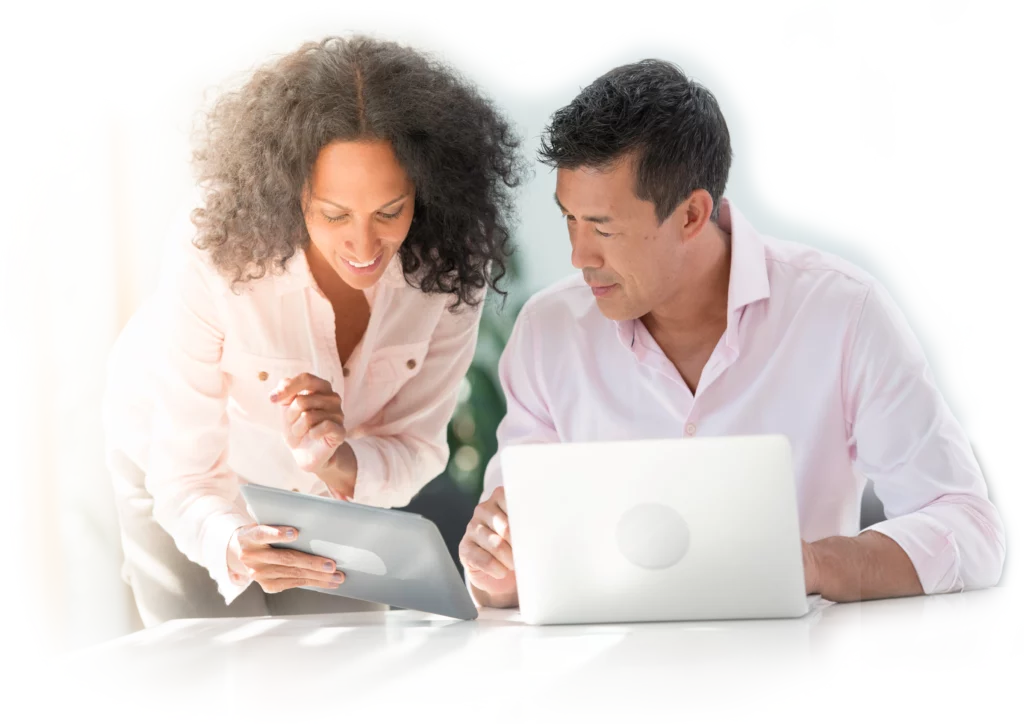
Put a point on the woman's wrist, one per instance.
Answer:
(340, 472)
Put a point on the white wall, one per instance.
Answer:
(83, 326)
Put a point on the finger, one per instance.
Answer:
(276, 585)
(288, 387)
(329, 432)
(498, 497)
(310, 419)
(289, 559)
(278, 572)
(263, 535)
(494, 518)
(491, 542)
(312, 401)
(476, 558)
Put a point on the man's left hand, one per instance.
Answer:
(810, 568)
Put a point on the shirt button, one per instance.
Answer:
(344, 371)
(691, 429)
(411, 364)
(263, 376)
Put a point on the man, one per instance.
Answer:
(686, 321)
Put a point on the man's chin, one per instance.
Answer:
(614, 310)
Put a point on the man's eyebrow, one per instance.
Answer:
(592, 219)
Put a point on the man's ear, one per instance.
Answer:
(695, 213)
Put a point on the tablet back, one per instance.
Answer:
(388, 556)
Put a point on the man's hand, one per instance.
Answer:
(810, 568)
(486, 554)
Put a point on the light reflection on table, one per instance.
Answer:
(856, 660)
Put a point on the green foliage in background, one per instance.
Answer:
(481, 405)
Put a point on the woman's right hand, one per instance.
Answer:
(277, 569)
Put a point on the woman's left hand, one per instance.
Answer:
(314, 428)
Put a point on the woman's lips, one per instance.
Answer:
(368, 269)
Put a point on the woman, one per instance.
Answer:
(315, 321)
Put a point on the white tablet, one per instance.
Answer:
(387, 556)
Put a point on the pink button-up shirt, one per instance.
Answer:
(190, 376)
(814, 349)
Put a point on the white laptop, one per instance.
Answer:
(655, 530)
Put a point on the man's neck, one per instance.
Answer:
(700, 306)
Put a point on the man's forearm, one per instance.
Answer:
(870, 565)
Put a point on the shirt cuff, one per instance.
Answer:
(216, 537)
(930, 546)
(371, 473)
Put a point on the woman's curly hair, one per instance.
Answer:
(261, 141)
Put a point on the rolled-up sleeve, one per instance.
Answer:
(903, 437)
(408, 445)
(194, 491)
(527, 419)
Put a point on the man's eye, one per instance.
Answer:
(601, 233)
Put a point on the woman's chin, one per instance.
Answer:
(362, 277)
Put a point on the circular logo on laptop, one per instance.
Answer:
(652, 536)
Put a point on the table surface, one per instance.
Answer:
(953, 657)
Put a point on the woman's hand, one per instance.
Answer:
(277, 569)
(315, 431)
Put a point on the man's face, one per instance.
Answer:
(631, 263)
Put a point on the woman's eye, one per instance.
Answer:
(334, 219)
(394, 215)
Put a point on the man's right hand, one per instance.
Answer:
(486, 554)
(277, 569)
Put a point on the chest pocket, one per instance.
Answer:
(251, 378)
(390, 368)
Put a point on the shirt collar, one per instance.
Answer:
(748, 274)
(748, 270)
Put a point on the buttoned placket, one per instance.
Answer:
(326, 362)
(648, 353)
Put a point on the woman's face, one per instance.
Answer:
(360, 205)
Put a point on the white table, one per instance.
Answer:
(948, 658)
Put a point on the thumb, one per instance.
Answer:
(266, 534)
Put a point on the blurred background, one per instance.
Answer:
(94, 250)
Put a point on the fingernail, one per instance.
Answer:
(289, 534)
(337, 578)
(328, 566)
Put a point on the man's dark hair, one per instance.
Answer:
(671, 125)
